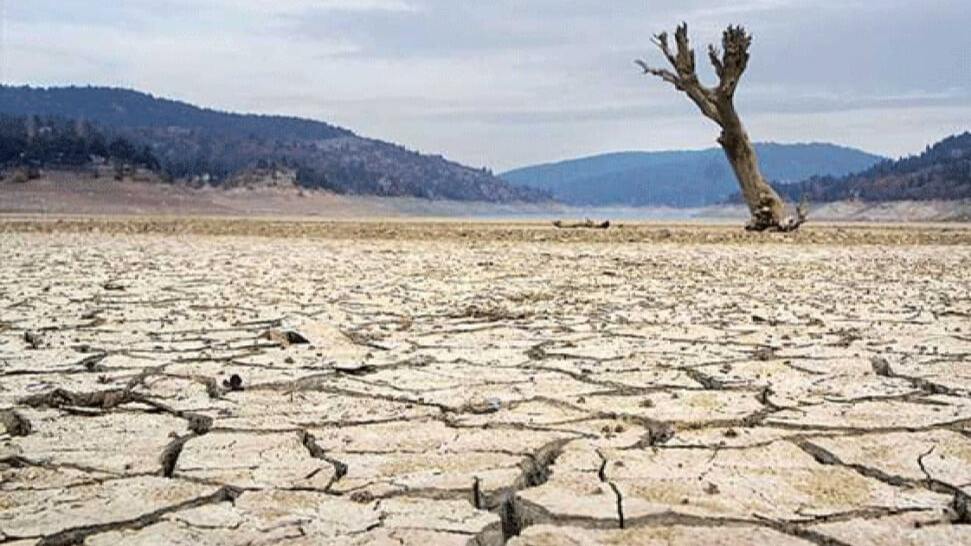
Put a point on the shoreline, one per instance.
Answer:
(63, 194)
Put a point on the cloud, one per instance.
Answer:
(290, 6)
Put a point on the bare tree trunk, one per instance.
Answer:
(764, 204)
(768, 211)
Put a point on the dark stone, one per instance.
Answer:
(234, 383)
(16, 424)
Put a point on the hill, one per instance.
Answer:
(941, 172)
(680, 178)
(210, 146)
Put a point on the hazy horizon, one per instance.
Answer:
(509, 84)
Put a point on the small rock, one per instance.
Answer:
(362, 497)
(536, 353)
(712, 489)
(764, 395)
(234, 383)
(199, 424)
(285, 337)
(16, 424)
(881, 366)
(489, 405)
(764, 354)
(112, 286)
(354, 368)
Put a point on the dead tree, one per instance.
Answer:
(717, 103)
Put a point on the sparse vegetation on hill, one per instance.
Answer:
(214, 147)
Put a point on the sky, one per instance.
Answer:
(508, 83)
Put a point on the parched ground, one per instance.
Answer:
(433, 383)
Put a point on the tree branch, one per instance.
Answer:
(735, 42)
(714, 55)
(684, 77)
(661, 41)
(686, 55)
(665, 75)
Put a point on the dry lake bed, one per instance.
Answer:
(167, 381)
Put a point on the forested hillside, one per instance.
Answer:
(199, 144)
(942, 172)
(34, 142)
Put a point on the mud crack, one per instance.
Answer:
(78, 535)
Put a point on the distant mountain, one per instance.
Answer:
(942, 172)
(680, 178)
(202, 144)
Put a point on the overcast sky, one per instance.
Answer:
(505, 83)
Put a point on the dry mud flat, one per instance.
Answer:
(481, 388)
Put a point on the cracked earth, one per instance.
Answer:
(198, 389)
